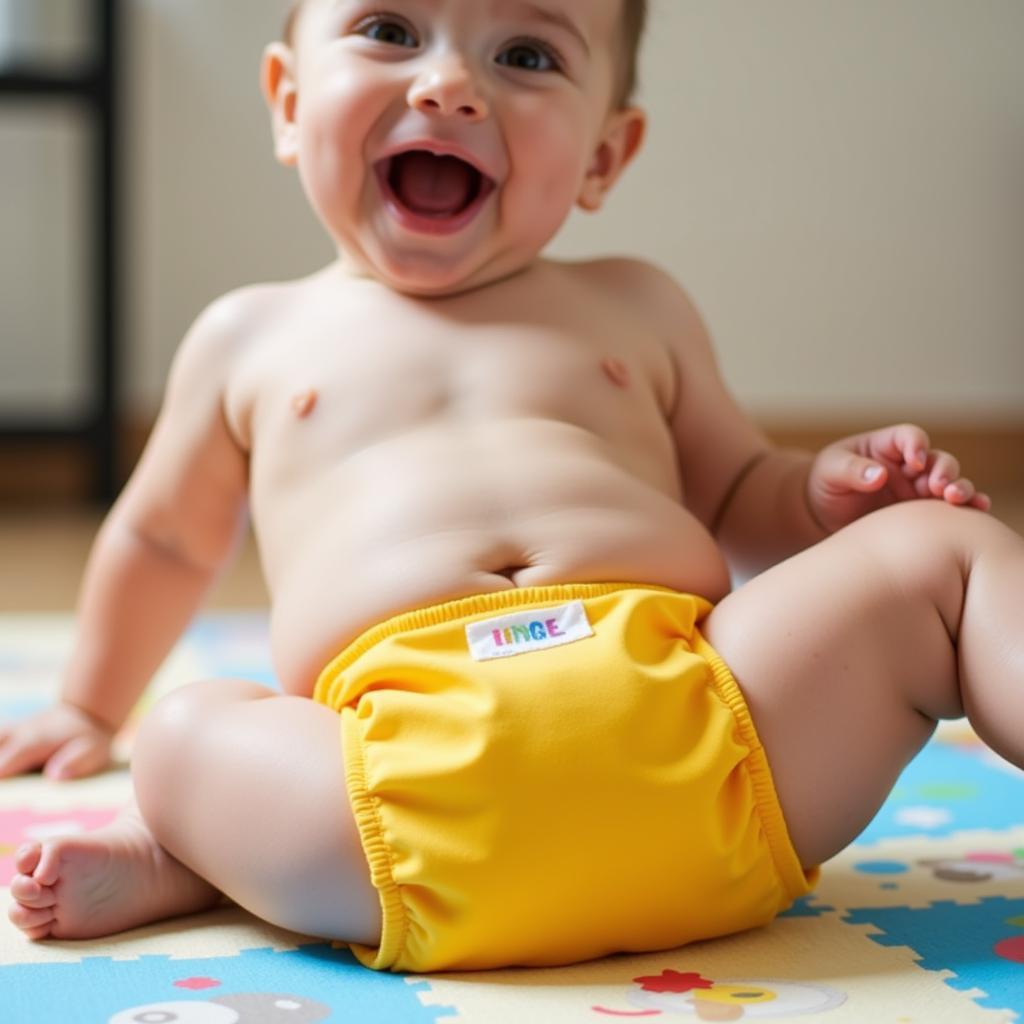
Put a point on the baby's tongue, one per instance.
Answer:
(431, 184)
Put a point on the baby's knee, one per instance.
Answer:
(922, 533)
(924, 548)
(175, 716)
(180, 720)
(928, 516)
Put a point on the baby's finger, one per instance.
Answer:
(981, 501)
(945, 470)
(845, 470)
(959, 492)
(18, 757)
(915, 446)
(906, 443)
(84, 755)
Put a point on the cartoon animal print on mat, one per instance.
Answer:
(977, 866)
(246, 1008)
(730, 999)
(259, 986)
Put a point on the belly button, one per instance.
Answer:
(304, 403)
(509, 572)
(616, 371)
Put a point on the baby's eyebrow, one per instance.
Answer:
(545, 14)
(556, 18)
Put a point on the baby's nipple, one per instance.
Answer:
(304, 403)
(617, 372)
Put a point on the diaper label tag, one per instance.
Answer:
(523, 632)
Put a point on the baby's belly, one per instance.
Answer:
(329, 599)
(442, 513)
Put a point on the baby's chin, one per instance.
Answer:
(426, 275)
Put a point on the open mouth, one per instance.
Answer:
(434, 193)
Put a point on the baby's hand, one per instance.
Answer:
(63, 738)
(868, 471)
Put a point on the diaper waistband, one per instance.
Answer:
(466, 607)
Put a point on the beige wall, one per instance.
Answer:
(839, 184)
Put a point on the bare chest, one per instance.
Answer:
(338, 389)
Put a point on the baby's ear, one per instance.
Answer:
(621, 140)
(280, 90)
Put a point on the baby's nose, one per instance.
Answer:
(447, 88)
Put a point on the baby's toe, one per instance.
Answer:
(30, 893)
(26, 858)
(51, 862)
(35, 922)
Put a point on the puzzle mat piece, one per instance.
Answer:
(312, 983)
(17, 826)
(34, 649)
(958, 733)
(915, 871)
(33, 652)
(948, 788)
(808, 953)
(110, 789)
(234, 644)
(34, 655)
(977, 947)
(225, 931)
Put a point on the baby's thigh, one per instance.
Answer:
(845, 660)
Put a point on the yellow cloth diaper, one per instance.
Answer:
(550, 774)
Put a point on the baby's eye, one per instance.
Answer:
(529, 56)
(387, 31)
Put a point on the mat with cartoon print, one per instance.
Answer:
(920, 922)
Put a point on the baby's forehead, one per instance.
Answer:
(580, 10)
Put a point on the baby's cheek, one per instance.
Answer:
(335, 125)
(545, 195)
(552, 153)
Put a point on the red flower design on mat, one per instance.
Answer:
(24, 823)
(673, 981)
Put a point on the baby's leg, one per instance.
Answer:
(241, 792)
(849, 652)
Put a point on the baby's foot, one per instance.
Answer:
(97, 883)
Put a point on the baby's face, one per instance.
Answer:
(444, 142)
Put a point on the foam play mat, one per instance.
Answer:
(920, 922)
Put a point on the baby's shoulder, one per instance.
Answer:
(208, 360)
(241, 313)
(626, 271)
(637, 282)
(232, 324)
(651, 294)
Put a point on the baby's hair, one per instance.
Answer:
(634, 18)
(288, 32)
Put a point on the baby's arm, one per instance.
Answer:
(763, 503)
(747, 492)
(154, 558)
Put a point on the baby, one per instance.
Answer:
(499, 501)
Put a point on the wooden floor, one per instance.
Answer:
(42, 555)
